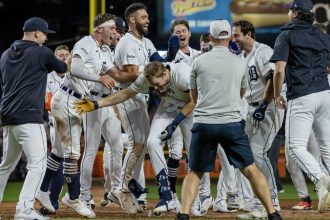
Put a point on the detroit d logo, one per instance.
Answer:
(253, 73)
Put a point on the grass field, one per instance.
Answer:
(13, 189)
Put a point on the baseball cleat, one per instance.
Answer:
(206, 204)
(323, 193)
(127, 203)
(303, 205)
(164, 206)
(259, 213)
(43, 198)
(79, 206)
(28, 214)
(221, 206)
(196, 207)
(113, 198)
(105, 202)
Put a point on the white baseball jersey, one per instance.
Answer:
(258, 66)
(182, 57)
(177, 91)
(54, 82)
(96, 60)
(131, 50)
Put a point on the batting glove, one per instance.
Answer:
(169, 130)
(85, 105)
(259, 112)
(173, 47)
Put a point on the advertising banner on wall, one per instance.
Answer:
(266, 15)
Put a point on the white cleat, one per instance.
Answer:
(43, 198)
(79, 206)
(127, 203)
(323, 193)
(259, 213)
(29, 214)
(196, 207)
(206, 204)
(164, 206)
(113, 198)
(221, 206)
(177, 208)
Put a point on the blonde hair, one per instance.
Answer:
(153, 70)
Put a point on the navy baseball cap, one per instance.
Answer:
(37, 24)
(303, 5)
(120, 24)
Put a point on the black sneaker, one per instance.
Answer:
(181, 216)
(275, 216)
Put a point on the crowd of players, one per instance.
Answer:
(115, 72)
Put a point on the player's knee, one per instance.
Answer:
(153, 142)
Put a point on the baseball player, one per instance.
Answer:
(264, 119)
(23, 69)
(303, 63)
(53, 180)
(133, 51)
(172, 82)
(91, 63)
(217, 84)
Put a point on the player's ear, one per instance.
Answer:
(132, 19)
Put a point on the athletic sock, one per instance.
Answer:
(164, 189)
(56, 185)
(70, 174)
(173, 168)
(53, 162)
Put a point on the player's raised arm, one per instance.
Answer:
(88, 105)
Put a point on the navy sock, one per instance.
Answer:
(70, 174)
(163, 185)
(173, 168)
(56, 185)
(53, 162)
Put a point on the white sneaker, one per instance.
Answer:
(206, 204)
(26, 214)
(234, 202)
(221, 206)
(105, 202)
(43, 198)
(79, 206)
(259, 213)
(323, 193)
(177, 208)
(127, 203)
(164, 206)
(196, 207)
(113, 198)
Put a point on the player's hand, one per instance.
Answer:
(259, 112)
(85, 105)
(173, 47)
(107, 81)
(280, 102)
(168, 132)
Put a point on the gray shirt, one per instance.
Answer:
(218, 77)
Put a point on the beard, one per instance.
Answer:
(141, 30)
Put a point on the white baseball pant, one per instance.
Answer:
(31, 139)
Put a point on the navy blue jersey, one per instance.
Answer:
(305, 49)
(24, 67)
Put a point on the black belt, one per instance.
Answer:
(118, 88)
(254, 104)
(71, 92)
(98, 93)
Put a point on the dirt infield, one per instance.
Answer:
(7, 210)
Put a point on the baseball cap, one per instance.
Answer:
(218, 26)
(37, 24)
(303, 5)
(120, 24)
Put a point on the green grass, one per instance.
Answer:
(13, 189)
